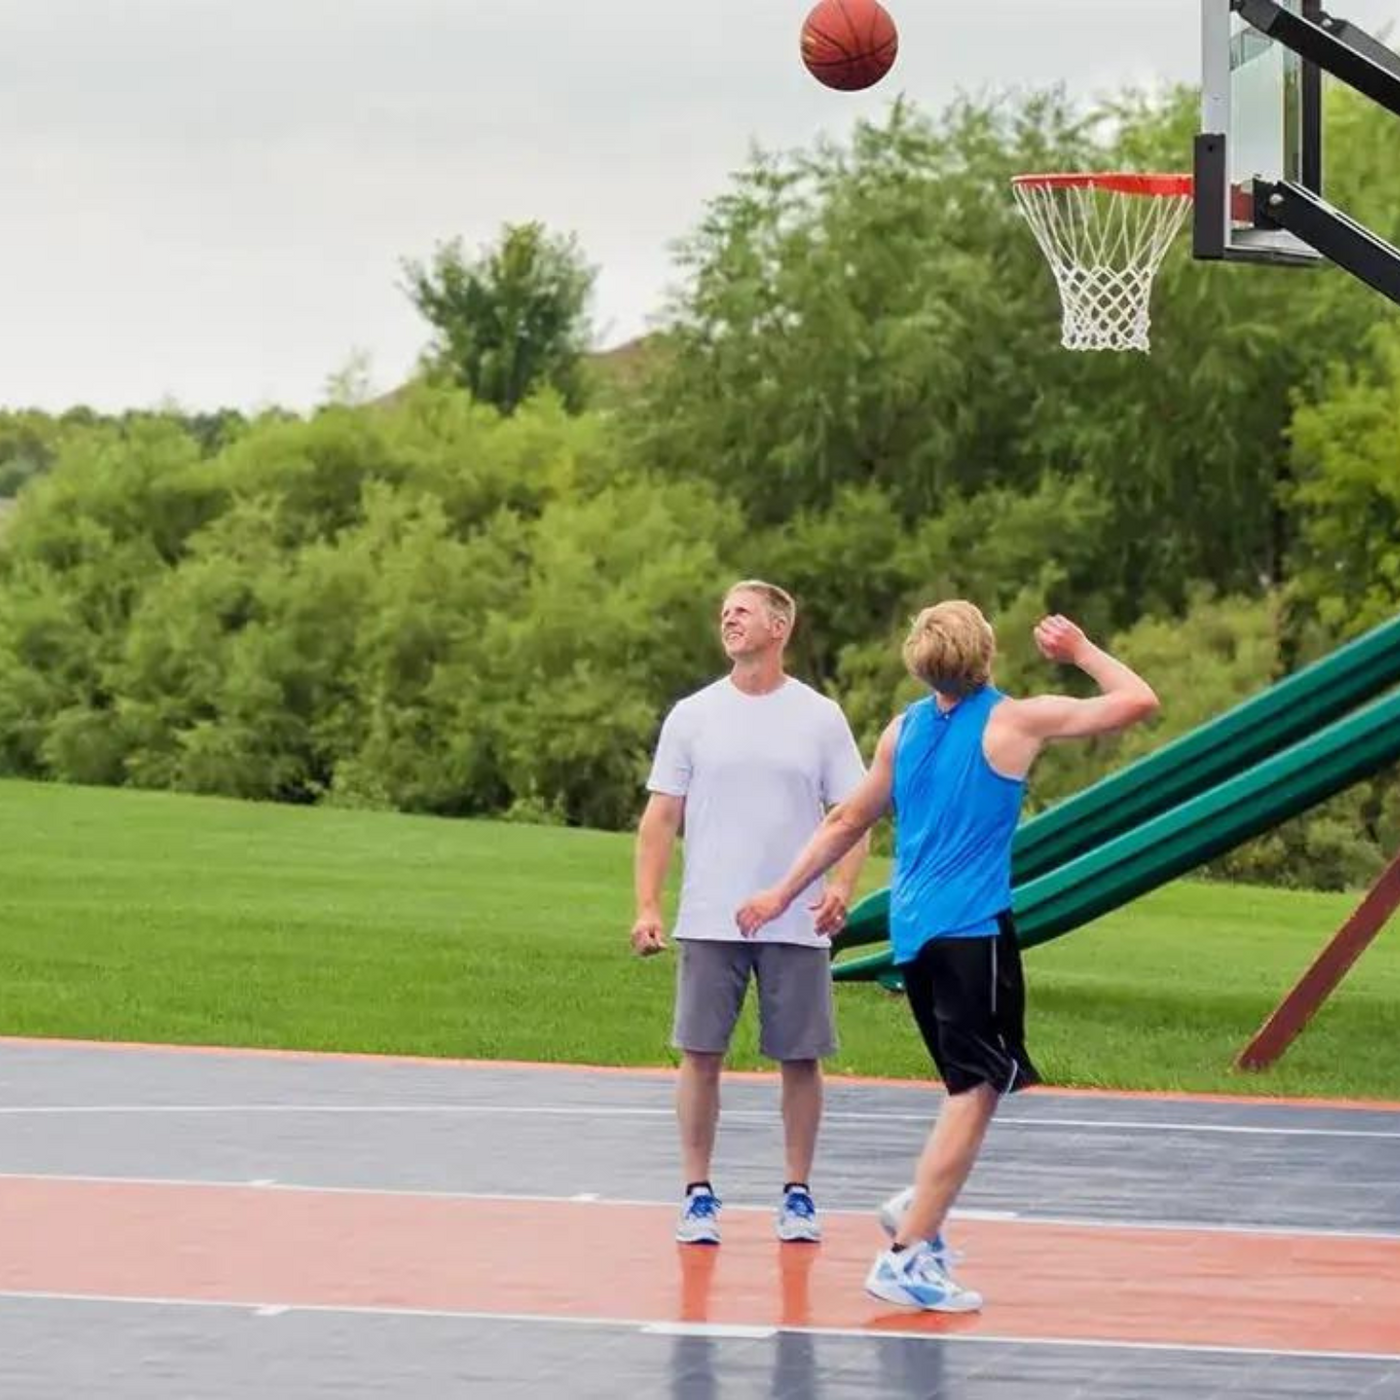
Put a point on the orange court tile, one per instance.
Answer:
(298, 1247)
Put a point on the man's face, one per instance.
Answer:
(746, 627)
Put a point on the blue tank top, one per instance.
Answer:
(954, 820)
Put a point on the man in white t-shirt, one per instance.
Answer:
(748, 766)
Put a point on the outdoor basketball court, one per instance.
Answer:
(183, 1223)
(186, 1223)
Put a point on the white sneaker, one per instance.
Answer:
(797, 1218)
(892, 1214)
(914, 1278)
(699, 1221)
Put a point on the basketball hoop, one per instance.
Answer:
(1105, 235)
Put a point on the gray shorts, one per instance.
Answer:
(795, 1016)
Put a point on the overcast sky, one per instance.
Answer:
(208, 200)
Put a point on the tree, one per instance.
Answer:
(877, 314)
(866, 314)
(1346, 494)
(29, 442)
(511, 322)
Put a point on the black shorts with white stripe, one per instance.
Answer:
(969, 999)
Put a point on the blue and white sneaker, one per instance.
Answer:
(892, 1214)
(699, 1222)
(914, 1278)
(797, 1217)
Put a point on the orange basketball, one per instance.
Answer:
(849, 44)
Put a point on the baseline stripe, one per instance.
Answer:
(668, 1073)
(1004, 1122)
(642, 1325)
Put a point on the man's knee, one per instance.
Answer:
(702, 1063)
(976, 1101)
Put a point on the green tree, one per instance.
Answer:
(864, 314)
(513, 320)
(28, 445)
(1347, 494)
(877, 314)
(115, 511)
(616, 620)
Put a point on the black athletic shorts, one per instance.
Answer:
(969, 998)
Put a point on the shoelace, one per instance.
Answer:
(945, 1253)
(702, 1206)
(926, 1268)
(800, 1203)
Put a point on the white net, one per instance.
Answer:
(1105, 237)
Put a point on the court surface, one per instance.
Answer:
(220, 1223)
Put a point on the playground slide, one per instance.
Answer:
(1265, 724)
(1213, 823)
(1210, 819)
(1206, 826)
(1185, 768)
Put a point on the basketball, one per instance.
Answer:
(849, 44)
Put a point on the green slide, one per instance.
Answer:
(1191, 800)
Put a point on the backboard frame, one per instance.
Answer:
(1225, 225)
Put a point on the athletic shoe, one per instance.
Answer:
(699, 1222)
(892, 1214)
(914, 1278)
(797, 1217)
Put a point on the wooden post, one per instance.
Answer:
(1331, 965)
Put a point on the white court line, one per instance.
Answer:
(836, 1116)
(269, 1185)
(1085, 1222)
(709, 1329)
(646, 1325)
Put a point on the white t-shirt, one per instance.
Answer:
(757, 773)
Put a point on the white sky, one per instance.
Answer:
(208, 200)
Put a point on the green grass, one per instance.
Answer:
(144, 916)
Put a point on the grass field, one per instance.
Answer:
(142, 916)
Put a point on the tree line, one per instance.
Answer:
(478, 595)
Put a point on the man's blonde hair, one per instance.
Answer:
(950, 648)
(778, 601)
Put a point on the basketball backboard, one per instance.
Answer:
(1261, 119)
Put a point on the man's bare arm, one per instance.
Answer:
(1126, 699)
(1020, 728)
(829, 912)
(845, 874)
(656, 836)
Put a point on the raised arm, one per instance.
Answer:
(844, 827)
(1020, 728)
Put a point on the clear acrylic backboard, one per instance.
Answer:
(1263, 104)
